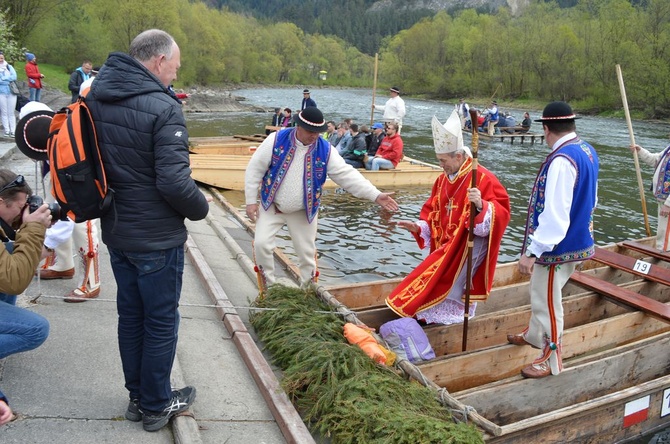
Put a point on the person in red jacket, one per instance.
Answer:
(34, 77)
(389, 152)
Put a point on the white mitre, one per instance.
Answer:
(448, 138)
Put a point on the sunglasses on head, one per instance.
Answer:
(18, 182)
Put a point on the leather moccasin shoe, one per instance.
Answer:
(536, 370)
(80, 295)
(517, 339)
(47, 274)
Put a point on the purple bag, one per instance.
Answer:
(407, 339)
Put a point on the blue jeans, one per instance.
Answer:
(379, 163)
(147, 301)
(20, 329)
(35, 94)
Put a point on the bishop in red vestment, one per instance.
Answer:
(433, 291)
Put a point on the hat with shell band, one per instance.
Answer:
(32, 130)
(557, 111)
(311, 118)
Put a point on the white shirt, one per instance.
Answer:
(653, 160)
(290, 195)
(394, 110)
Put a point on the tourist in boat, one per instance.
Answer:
(277, 119)
(290, 169)
(661, 189)
(356, 150)
(433, 291)
(394, 109)
(331, 132)
(343, 138)
(525, 124)
(390, 150)
(288, 118)
(376, 138)
(559, 234)
(510, 123)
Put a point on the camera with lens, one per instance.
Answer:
(34, 202)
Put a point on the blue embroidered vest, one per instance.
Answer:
(578, 243)
(316, 163)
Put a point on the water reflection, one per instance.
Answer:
(358, 242)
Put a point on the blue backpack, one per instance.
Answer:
(407, 339)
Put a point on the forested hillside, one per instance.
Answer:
(546, 52)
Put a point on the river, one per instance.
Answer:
(356, 240)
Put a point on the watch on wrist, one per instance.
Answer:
(530, 254)
(50, 250)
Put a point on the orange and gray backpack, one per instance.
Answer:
(78, 180)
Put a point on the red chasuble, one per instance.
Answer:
(447, 212)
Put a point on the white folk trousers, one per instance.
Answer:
(303, 235)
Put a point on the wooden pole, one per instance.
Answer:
(495, 92)
(632, 142)
(471, 228)
(374, 90)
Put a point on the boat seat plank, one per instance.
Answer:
(623, 296)
(647, 250)
(620, 261)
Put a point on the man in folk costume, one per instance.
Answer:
(433, 292)
(559, 234)
(660, 186)
(290, 168)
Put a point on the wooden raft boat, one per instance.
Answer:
(223, 165)
(616, 380)
(504, 137)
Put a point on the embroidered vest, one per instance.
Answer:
(578, 243)
(661, 188)
(316, 163)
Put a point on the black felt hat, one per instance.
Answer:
(395, 89)
(311, 118)
(32, 130)
(557, 111)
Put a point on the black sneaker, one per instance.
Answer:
(181, 400)
(133, 413)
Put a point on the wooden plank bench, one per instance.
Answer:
(632, 265)
(623, 296)
(647, 250)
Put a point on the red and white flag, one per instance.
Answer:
(636, 411)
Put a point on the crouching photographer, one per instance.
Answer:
(22, 231)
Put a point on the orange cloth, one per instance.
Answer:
(363, 338)
(431, 281)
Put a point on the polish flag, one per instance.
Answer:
(636, 411)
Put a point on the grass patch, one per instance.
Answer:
(340, 392)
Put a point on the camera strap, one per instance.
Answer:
(8, 233)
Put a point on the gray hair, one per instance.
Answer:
(151, 43)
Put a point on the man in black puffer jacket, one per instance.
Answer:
(144, 143)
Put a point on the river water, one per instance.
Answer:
(356, 241)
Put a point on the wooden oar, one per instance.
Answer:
(471, 228)
(374, 91)
(632, 142)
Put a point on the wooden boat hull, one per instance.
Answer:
(227, 171)
(531, 138)
(614, 357)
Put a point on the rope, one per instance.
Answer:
(33, 299)
(467, 410)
